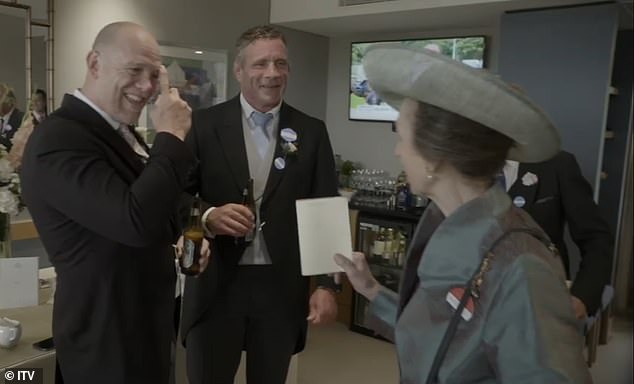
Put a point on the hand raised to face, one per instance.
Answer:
(170, 113)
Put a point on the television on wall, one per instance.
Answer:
(364, 102)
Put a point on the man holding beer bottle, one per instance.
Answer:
(253, 296)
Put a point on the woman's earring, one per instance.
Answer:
(429, 176)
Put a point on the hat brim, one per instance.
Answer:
(396, 72)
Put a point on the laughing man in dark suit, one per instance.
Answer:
(105, 206)
(253, 297)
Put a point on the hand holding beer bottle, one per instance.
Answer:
(193, 248)
(249, 202)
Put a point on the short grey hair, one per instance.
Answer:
(257, 33)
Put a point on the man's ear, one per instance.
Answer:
(237, 70)
(92, 62)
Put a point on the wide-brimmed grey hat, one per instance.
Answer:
(397, 72)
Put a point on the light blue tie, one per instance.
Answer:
(260, 134)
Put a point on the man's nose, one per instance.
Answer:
(272, 70)
(146, 84)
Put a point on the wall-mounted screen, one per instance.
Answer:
(364, 102)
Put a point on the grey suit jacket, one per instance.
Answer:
(523, 329)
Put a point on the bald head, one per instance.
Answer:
(123, 68)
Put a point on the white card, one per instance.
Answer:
(324, 229)
(19, 284)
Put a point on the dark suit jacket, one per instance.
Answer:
(15, 120)
(106, 222)
(217, 140)
(562, 195)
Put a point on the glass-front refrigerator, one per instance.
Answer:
(384, 239)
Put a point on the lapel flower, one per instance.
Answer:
(289, 143)
(529, 179)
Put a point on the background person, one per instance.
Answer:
(38, 105)
(556, 194)
(10, 116)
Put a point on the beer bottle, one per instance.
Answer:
(192, 241)
(249, 202)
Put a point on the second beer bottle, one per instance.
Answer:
(192, 241)
(249, 202)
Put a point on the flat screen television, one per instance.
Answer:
(366, 105)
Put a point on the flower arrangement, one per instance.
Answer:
(10, 196)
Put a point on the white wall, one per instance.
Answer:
(12, 61)
(372, 143)
(189, 23)
(292, 10)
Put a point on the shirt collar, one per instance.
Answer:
(510, 170)
(113, 123)
(38, 116)
(247, 109)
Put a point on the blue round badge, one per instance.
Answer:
(279, 163)
(288, 134)
(519, 201)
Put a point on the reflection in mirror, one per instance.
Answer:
(27, 41)
(39, 38)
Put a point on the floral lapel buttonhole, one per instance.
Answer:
(289, 146)
(529, 179)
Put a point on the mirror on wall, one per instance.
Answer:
(14, 24)
(26, 30)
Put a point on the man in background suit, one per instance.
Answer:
(10, 115)
(253, 297)
(105, 206)
(555, 193)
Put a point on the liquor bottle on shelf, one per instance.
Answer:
(395, 247)
(402, 192)
(192, 241)
(379, 246)
(402, 252)
(387, 247)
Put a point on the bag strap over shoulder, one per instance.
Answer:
(472, 289)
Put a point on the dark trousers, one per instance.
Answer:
(249, 315)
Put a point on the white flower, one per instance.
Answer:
(9, 203)
(6, 170)
(292, 148)
(529, 179)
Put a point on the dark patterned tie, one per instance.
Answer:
(128, 136)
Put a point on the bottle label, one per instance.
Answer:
(379, 247)
(188, 253)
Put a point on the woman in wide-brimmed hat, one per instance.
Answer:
(483, 297)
